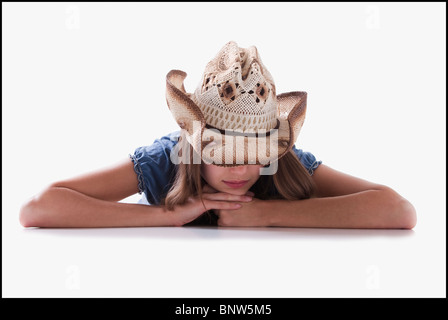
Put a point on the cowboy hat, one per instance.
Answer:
(234, 116)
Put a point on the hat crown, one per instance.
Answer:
(237, 92)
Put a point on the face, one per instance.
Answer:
(234, 180)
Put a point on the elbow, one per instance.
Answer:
(28, 215)
(402, 213)
(33, 212)
(407, 214)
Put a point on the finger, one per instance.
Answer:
(250, 194)
(222, 196)
(223, 205)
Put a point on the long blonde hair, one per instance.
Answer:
(291, 181)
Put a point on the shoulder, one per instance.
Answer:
(153, 166)
(308, 159)
(157, 153)
(160, 146)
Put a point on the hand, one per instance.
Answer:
(251, 214)
(211, 199)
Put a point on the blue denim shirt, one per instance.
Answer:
(156, 172)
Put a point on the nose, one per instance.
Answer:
(238, 170)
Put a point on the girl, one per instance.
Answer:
(233, 163)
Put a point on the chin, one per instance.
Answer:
(236, 192)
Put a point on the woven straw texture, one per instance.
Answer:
(236, 94)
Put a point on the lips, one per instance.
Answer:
(235, 184)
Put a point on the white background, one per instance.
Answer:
(83, 85)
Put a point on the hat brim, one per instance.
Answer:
(226, 149)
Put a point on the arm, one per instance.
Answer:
(60, 207)
(342, 201)
(90, 200)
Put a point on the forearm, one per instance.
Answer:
(367, 209)
(63, 207)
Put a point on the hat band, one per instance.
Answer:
(245, 134)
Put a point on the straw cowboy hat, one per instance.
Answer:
(234, 116)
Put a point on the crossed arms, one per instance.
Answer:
(92, 200)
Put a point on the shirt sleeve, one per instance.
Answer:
(308, 160)
(154, 169)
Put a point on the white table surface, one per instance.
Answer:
(221, 262)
